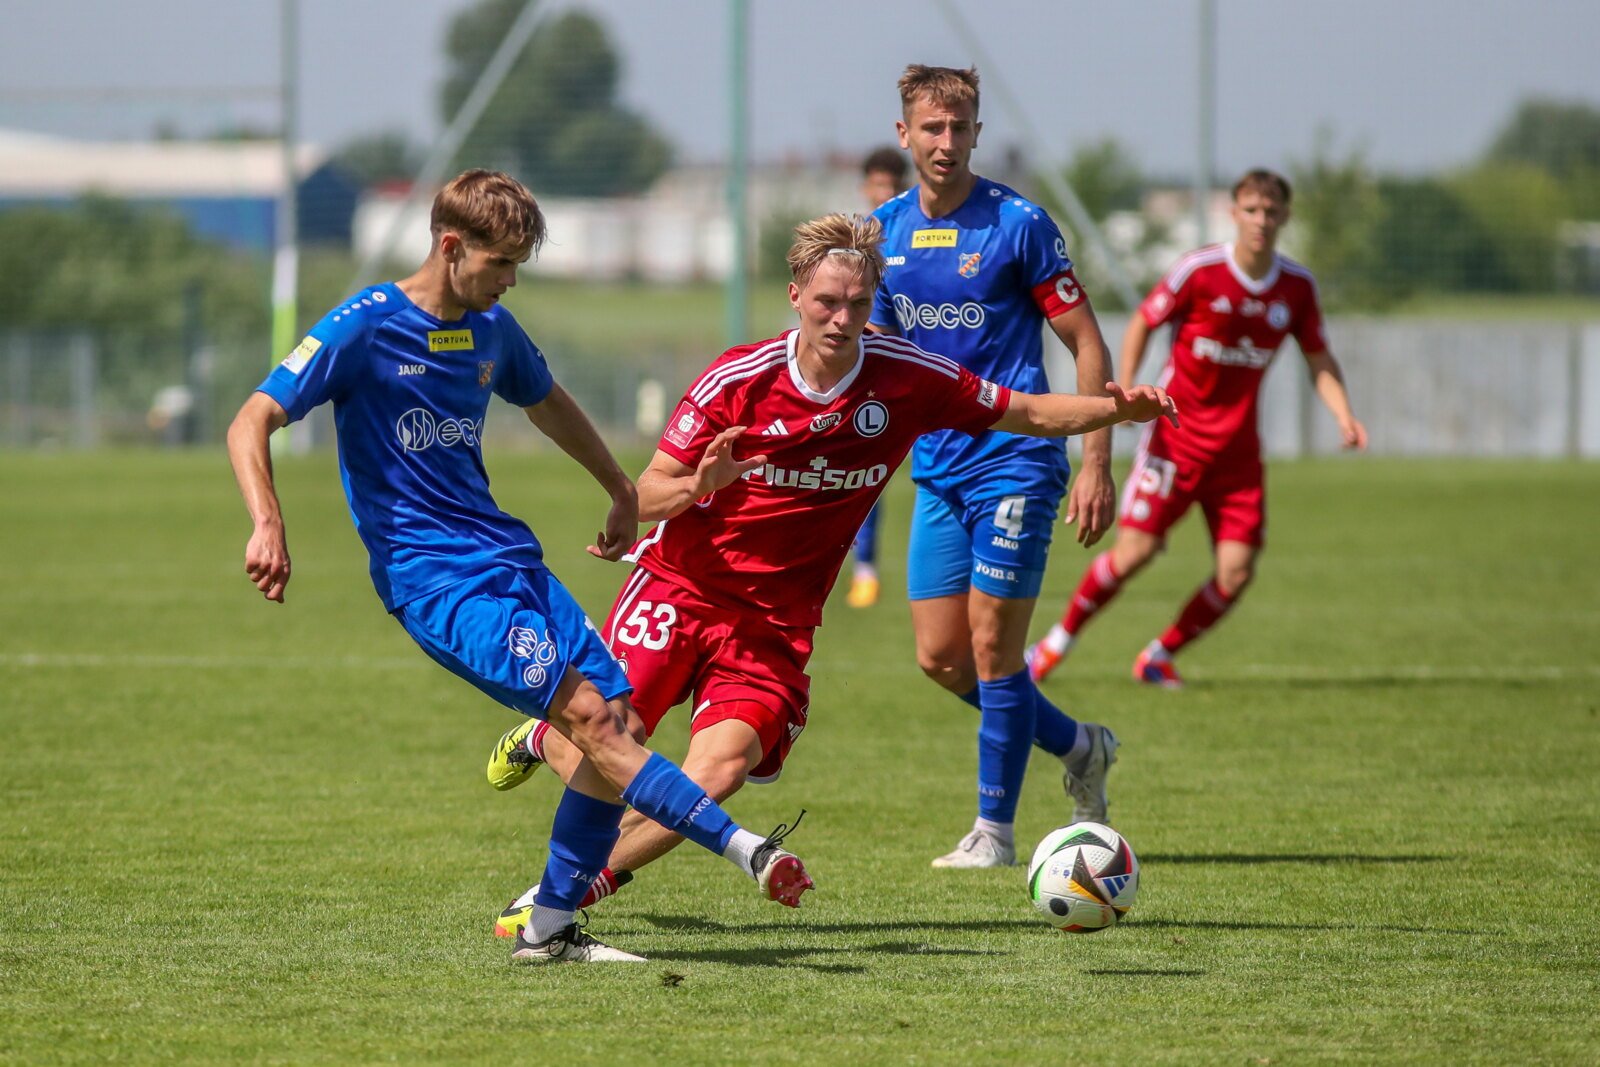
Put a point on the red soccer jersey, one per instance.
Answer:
(1226, 329)
(774, 540)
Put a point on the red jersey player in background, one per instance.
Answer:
(761, 480)
(1230, 306)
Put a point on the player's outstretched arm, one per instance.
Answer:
(668, 485)
(1062, 415)
(266, 555)
(1328, 379)
(559, 418)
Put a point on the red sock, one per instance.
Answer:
(1100, 583)
(1200, 614)
(605, 883)
(535, 741)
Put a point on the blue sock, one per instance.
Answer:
(1053, 729)
(581, 840)
(1005, 740)
(664, 793)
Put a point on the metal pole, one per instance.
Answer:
(449, 143)
(738, 296)
(286, 256)
(1048, 173)
(85, 422)
(1206, 101)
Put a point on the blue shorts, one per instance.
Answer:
(513, 634)
(996, 544)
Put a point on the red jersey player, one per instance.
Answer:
(762, 478)
(1230, 306)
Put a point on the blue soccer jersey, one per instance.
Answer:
(409, 394)
(977, 286)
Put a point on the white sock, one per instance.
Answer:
(1156, 650)
(1057, 640)
(1000, 831)
(526, 899)
(545, 923)
(741, 846)
(863, 571)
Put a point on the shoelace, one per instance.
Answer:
(781, 831)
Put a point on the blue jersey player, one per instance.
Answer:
(409, 368)
(974, 273)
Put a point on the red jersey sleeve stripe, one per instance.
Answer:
(900, 348)
(1191, 263)
(719, 378)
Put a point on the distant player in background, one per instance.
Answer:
(975, 271)
(410, 367)
(766, 469)
(883, 177)
(1231, 306)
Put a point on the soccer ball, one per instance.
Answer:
(1083, 877)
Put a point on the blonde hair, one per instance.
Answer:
(488, 208)
(943, 85)
(856, 238)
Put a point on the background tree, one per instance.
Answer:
(380, 157)
(1337, 217)
(555, 121)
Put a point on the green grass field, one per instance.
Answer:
(1370, 827)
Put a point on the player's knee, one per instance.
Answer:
(950, 667)
(590, 719)
(1233, 580)
(722, 778)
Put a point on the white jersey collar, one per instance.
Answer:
(839, 387)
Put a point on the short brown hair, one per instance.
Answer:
(1266, 182)
(943, 85)
(857, 237)
(885, 160)
(488, 208)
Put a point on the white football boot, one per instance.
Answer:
(1085, 779)
(979, 849)
(568, 945)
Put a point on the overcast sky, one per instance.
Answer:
(1420, 84)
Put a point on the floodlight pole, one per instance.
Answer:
(286, 253)
(738, 295)
(1206, 100)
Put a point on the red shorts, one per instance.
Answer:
(1231, 492)
(673, 645)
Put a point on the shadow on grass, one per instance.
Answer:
(802, 957)
(1145, 972)
(697, 925)
(1219, 924)
(1251, 859)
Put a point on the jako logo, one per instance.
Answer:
(937, 316)
(418, 429)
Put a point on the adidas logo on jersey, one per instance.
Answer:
(1222, 306)
(777, 429)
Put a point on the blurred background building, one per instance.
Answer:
(1446, 168)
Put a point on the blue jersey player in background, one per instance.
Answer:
(409, 368)
(974, 272)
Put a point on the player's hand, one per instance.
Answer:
(718, 468)
(1143, 403)
(1092, 503)
(622, 527)
(266, 561)
(1354, 435)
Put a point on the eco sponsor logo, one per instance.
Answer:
(449, 340)
(969, 315)
(419, 429)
